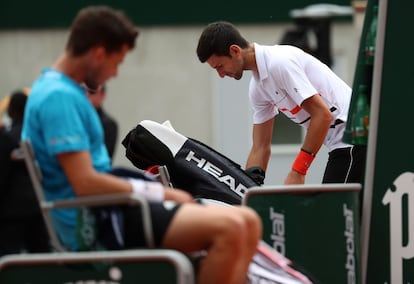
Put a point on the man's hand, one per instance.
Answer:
(257, 174)
(294, 177)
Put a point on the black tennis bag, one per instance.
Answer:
(207, 175)
(192, 165)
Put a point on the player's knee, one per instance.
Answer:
(235, 230)
(249, 227)
(253, 222)
(240, 230)
(237, 224)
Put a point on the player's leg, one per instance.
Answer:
(229, 234)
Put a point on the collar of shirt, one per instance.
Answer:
(262, 73)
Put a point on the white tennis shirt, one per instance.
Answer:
(286, 77)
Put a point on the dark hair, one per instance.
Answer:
(217, 38)
(101, 25)
(16, 105)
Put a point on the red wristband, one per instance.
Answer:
(302, 162)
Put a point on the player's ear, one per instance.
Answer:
(234, 49)
(99, 52)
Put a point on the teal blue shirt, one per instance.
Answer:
(59, 118)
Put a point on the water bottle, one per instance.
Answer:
(371, 37)
(360, 118)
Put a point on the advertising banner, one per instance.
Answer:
(388, 216)
(316, 226)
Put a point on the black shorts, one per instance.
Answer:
(121, 227)
(346, 165)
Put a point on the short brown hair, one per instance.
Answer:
(101, 25)
(217, 38)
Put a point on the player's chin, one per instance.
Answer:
(237, 75)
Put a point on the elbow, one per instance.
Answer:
(328, 118)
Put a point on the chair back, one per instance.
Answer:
(133, 266)
(80, 202)
(36, 178)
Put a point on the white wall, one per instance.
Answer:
(163, 79)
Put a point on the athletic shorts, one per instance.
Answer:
(346, 165)
(121, 227)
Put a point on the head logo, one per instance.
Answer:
(217, 173)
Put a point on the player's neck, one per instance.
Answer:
(71, 66)
(250, 58)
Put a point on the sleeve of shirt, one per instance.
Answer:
(263, 110)
(63, 130)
